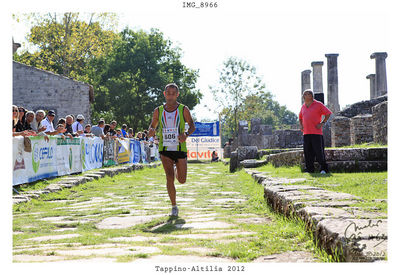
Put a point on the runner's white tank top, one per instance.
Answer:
(172, 120)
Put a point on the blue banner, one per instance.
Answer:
(208, 129)
(135, 151)
(91, 153)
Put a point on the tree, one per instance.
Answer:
(237, 80)
(66, 43)
(131, 78)
(253, 102)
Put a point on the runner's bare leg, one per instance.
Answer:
(181, 167)
(168, 165)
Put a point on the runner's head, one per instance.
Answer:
(171, 92)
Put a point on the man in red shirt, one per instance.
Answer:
(311, 125)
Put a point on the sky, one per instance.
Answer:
(279, 40)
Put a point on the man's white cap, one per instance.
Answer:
(80, 116)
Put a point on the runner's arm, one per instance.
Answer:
(154, 123)
(188, 118)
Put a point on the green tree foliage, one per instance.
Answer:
(66, 43)
(127, 70)
(131, 78)
(237, 80)
(243, 96)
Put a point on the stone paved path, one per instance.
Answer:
(334, 217)
(100, 229)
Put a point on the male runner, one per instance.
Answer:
(172, 145)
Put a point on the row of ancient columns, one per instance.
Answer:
(377, 81)
(333, 92)
(378, 84)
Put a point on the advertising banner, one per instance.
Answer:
(143, 153)
(91, 152)
(203, 142)
(202, 153)
(68, 156)
(210, 129)
(135, 151)
(109, 153)
(123, 149)
(40, 163)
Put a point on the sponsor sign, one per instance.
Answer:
(91, 152)
(206, 129)
(68, 156)
(40, 163)
(123, 150)
(109, 153)
(135, 151)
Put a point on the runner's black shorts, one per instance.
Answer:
(174, 155)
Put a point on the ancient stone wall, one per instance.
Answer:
(340, 131)
(362, 107)
(361, 129)
(37, 89)
(379, 122)
(344, 159)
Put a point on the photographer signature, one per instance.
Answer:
(353, 232)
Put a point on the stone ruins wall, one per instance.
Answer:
(379, 122)
(37, 89)
(362, 107)
(362, 122)
(360, 129)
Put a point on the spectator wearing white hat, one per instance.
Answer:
(48, 123)
(77, 126)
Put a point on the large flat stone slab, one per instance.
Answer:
(53, 237)
(134, 239)
(288, 257)
(183, 259)
(125, 222)
(212, 235)
(36, 258)
(202, 225)
(112, 251)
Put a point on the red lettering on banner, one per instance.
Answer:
(199, 155)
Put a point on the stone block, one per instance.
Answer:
(246, 152)
(379, 122)
(360, 129)
(233, 162)
(340, 131)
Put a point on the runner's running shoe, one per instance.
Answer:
(175, 211)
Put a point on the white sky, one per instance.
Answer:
(280, 40)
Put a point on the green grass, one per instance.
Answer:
(277, 236)
(368, 185)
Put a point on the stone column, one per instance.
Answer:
(372, 92)
(305, 82)
(317, 80)
(380, 73)
(333, 94)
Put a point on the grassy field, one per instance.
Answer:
(79, 209)
(369, 186)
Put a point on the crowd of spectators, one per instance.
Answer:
(29, 123)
